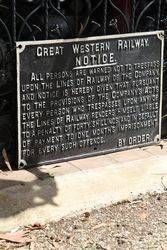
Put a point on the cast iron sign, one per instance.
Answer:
(88, 96)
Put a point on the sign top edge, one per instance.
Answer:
(105, 37)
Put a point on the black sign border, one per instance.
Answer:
(20, 46)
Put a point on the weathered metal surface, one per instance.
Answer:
(88, 96)
(25, 20)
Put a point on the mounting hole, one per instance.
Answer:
(160, 35)
(157, 139)
(22, 164)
